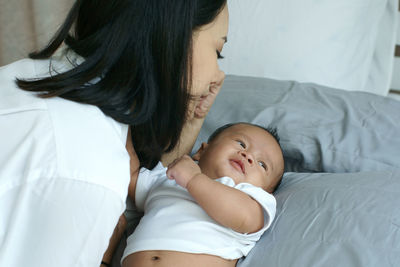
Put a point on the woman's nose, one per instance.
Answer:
(247, 157)
(219, 78)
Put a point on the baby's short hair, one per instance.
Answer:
(271, 130)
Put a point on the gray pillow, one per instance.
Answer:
(330, 220)
(321, 129)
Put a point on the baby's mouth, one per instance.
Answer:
(238, 165)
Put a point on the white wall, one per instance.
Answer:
(395, 85)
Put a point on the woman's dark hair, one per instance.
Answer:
(141, 50)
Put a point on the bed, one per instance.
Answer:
(339, 201)
(320, 72)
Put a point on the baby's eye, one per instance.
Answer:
(242, 144)
(262, 164)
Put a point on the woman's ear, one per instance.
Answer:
(199, 152)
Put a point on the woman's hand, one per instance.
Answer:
(198, 109)
(205, 102)
(201, 104)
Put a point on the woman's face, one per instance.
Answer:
(208, 42)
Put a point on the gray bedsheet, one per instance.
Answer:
(331, 220)
(339, 202)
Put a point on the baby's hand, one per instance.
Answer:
(182, 170)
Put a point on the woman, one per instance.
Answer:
(133, 86)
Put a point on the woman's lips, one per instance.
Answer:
(238, 165)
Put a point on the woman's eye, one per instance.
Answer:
(219, 56)
(262, 164)
(241, 143)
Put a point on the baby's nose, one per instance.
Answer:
(247, 157)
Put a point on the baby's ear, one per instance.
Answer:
(199, 152)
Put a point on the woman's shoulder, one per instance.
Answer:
(88, 139)
(24, 68)
(87, 145)
(28, 68)
(25, 65)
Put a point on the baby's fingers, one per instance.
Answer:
(170, 174)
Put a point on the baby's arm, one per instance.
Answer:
(228, 206)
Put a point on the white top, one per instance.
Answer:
(174, 221)
(64, 175)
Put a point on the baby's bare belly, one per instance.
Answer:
(164, 258)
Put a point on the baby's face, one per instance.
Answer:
(247, 154)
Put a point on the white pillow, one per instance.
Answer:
(346, 44)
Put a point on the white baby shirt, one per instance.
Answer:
(64, 175)
(174, 221)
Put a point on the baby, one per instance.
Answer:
(209, 213)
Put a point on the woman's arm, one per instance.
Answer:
(134, 166)
(114, 240)
(188, 137)
(120, 228)
(228, 206)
